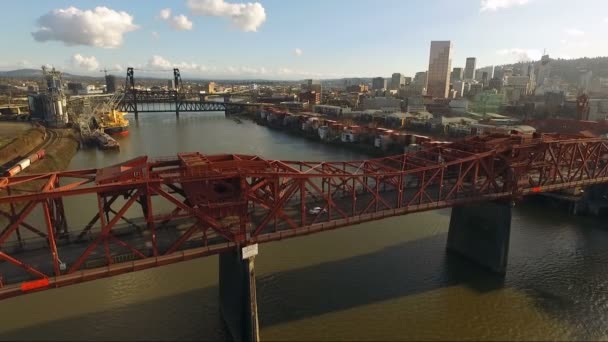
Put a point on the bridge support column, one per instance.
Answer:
(481, 232)
(238, 302)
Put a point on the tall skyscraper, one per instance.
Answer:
(397, 81)
(110, 84)
(544, 72)
(469, 69)
(440, 65)
(457, 74)
(420, 78)
(312, 85)
(378, 83)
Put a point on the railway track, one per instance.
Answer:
(51, 136)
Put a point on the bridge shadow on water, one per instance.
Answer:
(396, 271)
(393, 272)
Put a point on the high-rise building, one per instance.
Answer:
(469, 69)
(499, 72)
(584, 80)
(378, 83)
(440, 65)
(544, 71)
(457, 74)
(312, 85)
(310, 97)
(397, 81)
(209, 88)
(170, 84)
(458, 86)
(479, 73)
(420, 78)
(485, 79)
(110, 84)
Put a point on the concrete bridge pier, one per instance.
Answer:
(480, 232)
(238, 302)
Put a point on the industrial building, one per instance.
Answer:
(50, 106)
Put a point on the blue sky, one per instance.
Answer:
(289, 39)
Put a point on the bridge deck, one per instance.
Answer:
(194, 205)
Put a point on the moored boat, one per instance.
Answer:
(114, 123)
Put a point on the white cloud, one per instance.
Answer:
(287, 72)
(495, 5)
(521, 55)
(155, 35)
(83, 62)
(102, 27)
(165, 13)
(159, 63)
(180, 22)
(573, 32)
(298, 52)
(177, 22)
(606, 20)
(247, 17)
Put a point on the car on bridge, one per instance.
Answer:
(317, 210)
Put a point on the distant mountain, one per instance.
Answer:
(35, 73)
(570, 69)
(22, 73)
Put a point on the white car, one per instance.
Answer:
(317, 210)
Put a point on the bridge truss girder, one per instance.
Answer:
(154, 212)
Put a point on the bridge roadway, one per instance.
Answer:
(138, 101)
(34, 251)
(274, 198)
(194, 205)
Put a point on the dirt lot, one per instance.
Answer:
(11, 130)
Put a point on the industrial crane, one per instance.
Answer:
(105, 71)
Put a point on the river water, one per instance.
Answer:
(384, 280)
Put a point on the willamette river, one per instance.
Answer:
(384, 280)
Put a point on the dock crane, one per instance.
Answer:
(105, 71)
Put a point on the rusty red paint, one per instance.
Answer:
(34, 284)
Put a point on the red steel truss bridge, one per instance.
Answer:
(149, 212)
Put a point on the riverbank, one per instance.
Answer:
(57, 158)
(364, 147)
(58, 155)
(20, 143)
(59, 152)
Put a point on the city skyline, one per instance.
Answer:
(265, 39)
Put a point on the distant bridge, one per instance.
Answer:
(144, 101)
(154, 101)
